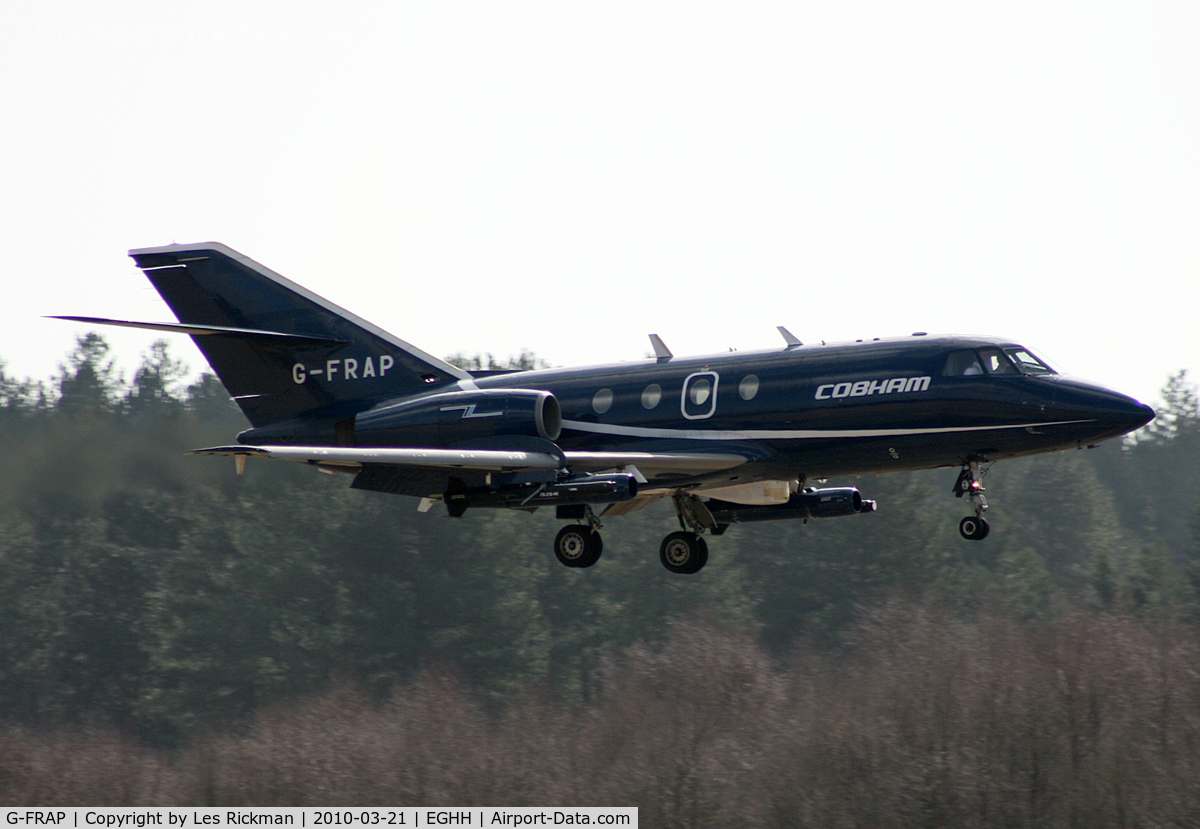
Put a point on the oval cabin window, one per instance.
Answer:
(602, 401)
(748, 388)
(651, 396)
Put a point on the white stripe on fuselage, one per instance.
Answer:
(787, 434)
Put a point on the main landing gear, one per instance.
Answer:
(580, 545)
(684, 552)
(970, 483)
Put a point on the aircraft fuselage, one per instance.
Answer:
(820, 411)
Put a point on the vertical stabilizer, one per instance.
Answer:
(279, 349)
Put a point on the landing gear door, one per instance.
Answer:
(699, 400)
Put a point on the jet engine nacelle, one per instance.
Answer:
(458, 417)
(829, 502)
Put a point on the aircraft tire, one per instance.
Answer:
(973, 529)
(578, 546)
(683, 552)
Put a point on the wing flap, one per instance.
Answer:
(655, 464)
(632, 505)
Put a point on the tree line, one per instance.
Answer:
(162, 595)
(922, 718)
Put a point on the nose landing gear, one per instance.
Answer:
(974, 529)
(970, 483)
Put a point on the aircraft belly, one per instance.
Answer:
(857, 443)
(854, 456)
(417, 483)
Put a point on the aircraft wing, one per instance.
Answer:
(427, 473)
(349, 458)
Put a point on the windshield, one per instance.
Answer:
(1025, 362)
(1009, 360)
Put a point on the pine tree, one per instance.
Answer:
(154, 385)
(88, 382)
(1179, 416)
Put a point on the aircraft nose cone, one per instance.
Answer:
(1111, 413)
(1124, 413)
(1142, 415)
(1118, 415)
(1145, 414)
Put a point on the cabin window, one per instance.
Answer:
(699, 395)
(602, 401)
(962, 364)
(651, 396)
(748, 388)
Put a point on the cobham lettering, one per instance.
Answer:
(866, 388)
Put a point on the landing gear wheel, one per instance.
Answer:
(973, 529)
(683, 552)
(577, 545)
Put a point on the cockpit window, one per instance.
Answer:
(994, 362)
(962, 364)
(1026, 363)
(1009, 360)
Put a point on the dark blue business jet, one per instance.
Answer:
(728, 438)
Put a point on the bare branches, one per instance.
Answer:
(932, 721)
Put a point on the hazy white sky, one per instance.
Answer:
(568, 177)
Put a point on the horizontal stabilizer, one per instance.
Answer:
(205, 330)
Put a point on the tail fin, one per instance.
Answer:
(279, 349)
